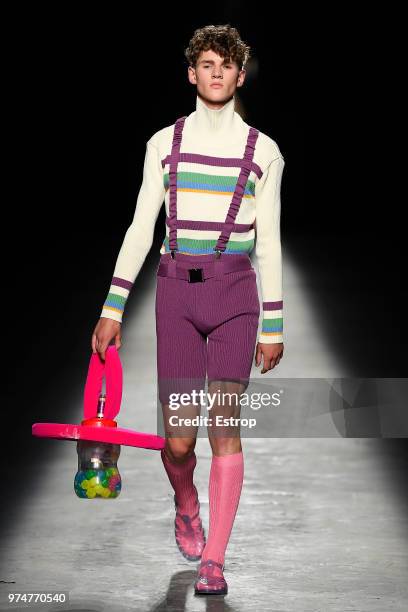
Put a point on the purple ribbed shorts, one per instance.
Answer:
(205, 328)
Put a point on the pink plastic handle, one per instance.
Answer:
(112, 369)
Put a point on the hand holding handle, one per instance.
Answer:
(111, 368)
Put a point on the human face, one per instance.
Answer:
(212, 69)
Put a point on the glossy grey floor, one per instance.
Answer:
(318, 527)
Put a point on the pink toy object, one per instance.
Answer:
(98, 436)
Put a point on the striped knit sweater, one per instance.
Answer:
(204, 193)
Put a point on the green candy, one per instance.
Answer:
(112, 471)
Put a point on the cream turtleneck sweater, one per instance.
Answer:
(204, 193)
(218, 125)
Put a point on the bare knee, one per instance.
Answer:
(225, 446)
(180, 449)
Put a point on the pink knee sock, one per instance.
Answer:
(224, 488)
(181, 479)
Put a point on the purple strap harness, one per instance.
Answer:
(229, 224)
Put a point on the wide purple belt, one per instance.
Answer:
(205, 269)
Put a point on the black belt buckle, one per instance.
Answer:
(195, 275)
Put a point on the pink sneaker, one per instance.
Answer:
(189, 532)
(210, 579)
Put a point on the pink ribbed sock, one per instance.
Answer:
(181, 479)
(224, 491)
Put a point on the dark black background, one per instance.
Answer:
(87, 91)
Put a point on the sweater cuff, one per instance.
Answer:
(272, 323)
(114, 304)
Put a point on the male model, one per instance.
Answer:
(220, 179)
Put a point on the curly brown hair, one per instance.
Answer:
(222, 39)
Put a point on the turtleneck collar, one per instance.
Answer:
(217, 123)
